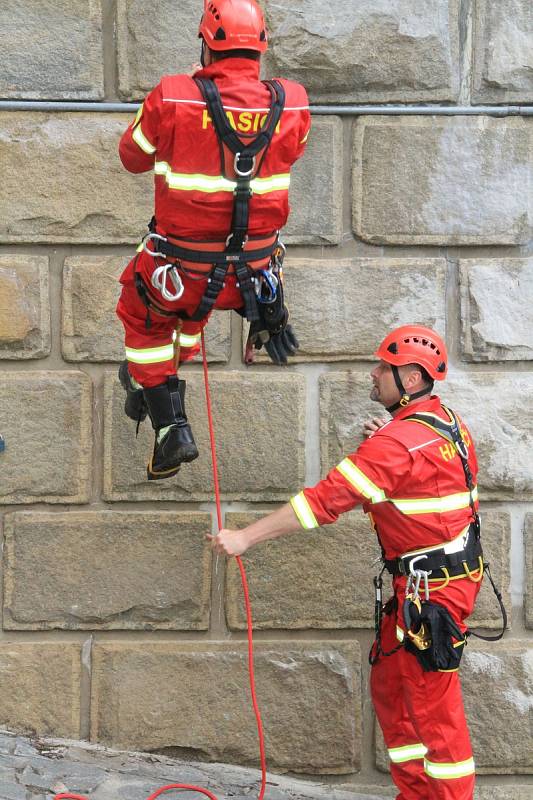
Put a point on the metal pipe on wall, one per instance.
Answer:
(345, 110)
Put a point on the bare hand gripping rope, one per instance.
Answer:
(183, 786)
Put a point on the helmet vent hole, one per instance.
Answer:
(220, 35)
(393, 348)
(262, 36)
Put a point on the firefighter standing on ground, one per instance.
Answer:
(411, 481)
(221, 143)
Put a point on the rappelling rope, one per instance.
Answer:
(185, 786)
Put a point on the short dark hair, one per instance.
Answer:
(426, 377)
(219, 55)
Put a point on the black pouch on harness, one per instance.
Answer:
(430, 636)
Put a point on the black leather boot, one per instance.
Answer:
(174, 442)
(135, 405)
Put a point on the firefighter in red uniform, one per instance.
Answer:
(416, 478)
(221, 144)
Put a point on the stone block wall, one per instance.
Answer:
(117, 624)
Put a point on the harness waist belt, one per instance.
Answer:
(451, 556)
(210, 253)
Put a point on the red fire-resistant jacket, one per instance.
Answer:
(173, 134)
(407, 478)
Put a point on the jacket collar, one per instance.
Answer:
(240, 68)
(432, 405)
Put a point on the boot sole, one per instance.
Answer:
(154, 475)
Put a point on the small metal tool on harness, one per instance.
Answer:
(160, 273)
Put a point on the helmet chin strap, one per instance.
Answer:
(405, 397)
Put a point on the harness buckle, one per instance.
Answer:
(228, 240)
(153, 253)
(239, 172)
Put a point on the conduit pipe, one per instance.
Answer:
(345, 111)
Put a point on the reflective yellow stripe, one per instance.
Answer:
(359, 481)
(435, 505)
(458, 769)
(400, 635)
(150, 355)
(305, 137)
(218, 183)
(398, 755)
(303, 511)
(140, 139)
(189, 341)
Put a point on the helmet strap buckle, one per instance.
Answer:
(404, 400)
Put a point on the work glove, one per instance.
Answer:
(271, 330)
(279, 346)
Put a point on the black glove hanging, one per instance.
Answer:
(271, 330)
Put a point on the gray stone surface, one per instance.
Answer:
(503, 52)
(60, 765)
(259, 421)
(317, 191)
(333, 591)
(448, 181)
(91, 330)
(496, 539)
(72, 156)
(369, 51)
(155, 38)
(496, 317)
(24, 307)
(312, 687)
(497, 678)
(45, 418)
(40, 687)
(51, 49)
(497, 418)
(528, 571)
(115, 570)
(351, 314)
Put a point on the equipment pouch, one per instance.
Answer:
(432, 636)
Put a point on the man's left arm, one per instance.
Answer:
(138, 145)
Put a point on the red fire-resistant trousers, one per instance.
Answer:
(422, 717)
(153, 351)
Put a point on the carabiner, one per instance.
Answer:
(266, 286)
(159, 281)
(153, 253)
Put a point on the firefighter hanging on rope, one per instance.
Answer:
(221, 144)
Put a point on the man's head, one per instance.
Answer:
(411, 359)
(232, 28)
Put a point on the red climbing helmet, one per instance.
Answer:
(414, 344)
(233, 25)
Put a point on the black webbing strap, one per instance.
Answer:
(243, 170)
(213, 256)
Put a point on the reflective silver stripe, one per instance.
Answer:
(459, 769)
(218, 183)
(140, 139)
(303, 511)
(150, 355)
(359, 481)
(437, 505)
(400, 635)
(398, 755)
(189, 341)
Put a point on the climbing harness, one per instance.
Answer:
(249, 624)
(429, 625)
(240, 163)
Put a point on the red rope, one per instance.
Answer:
(247, 604)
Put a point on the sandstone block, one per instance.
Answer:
(41, 688)
(359, 300)
(116, 570)
(503, 52)
(502, 674)
(496, 322)
(71, 157)
(370, 51)
(497, 680)
(447, 181)
(146, 51)
(496, 540)
(259, 424)
(316, 193)
(24, 307)
(167, 698)
(528, 571)
(334, 590)
(91, 329)
(52, 50)
(45, 418)
(503, 435)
